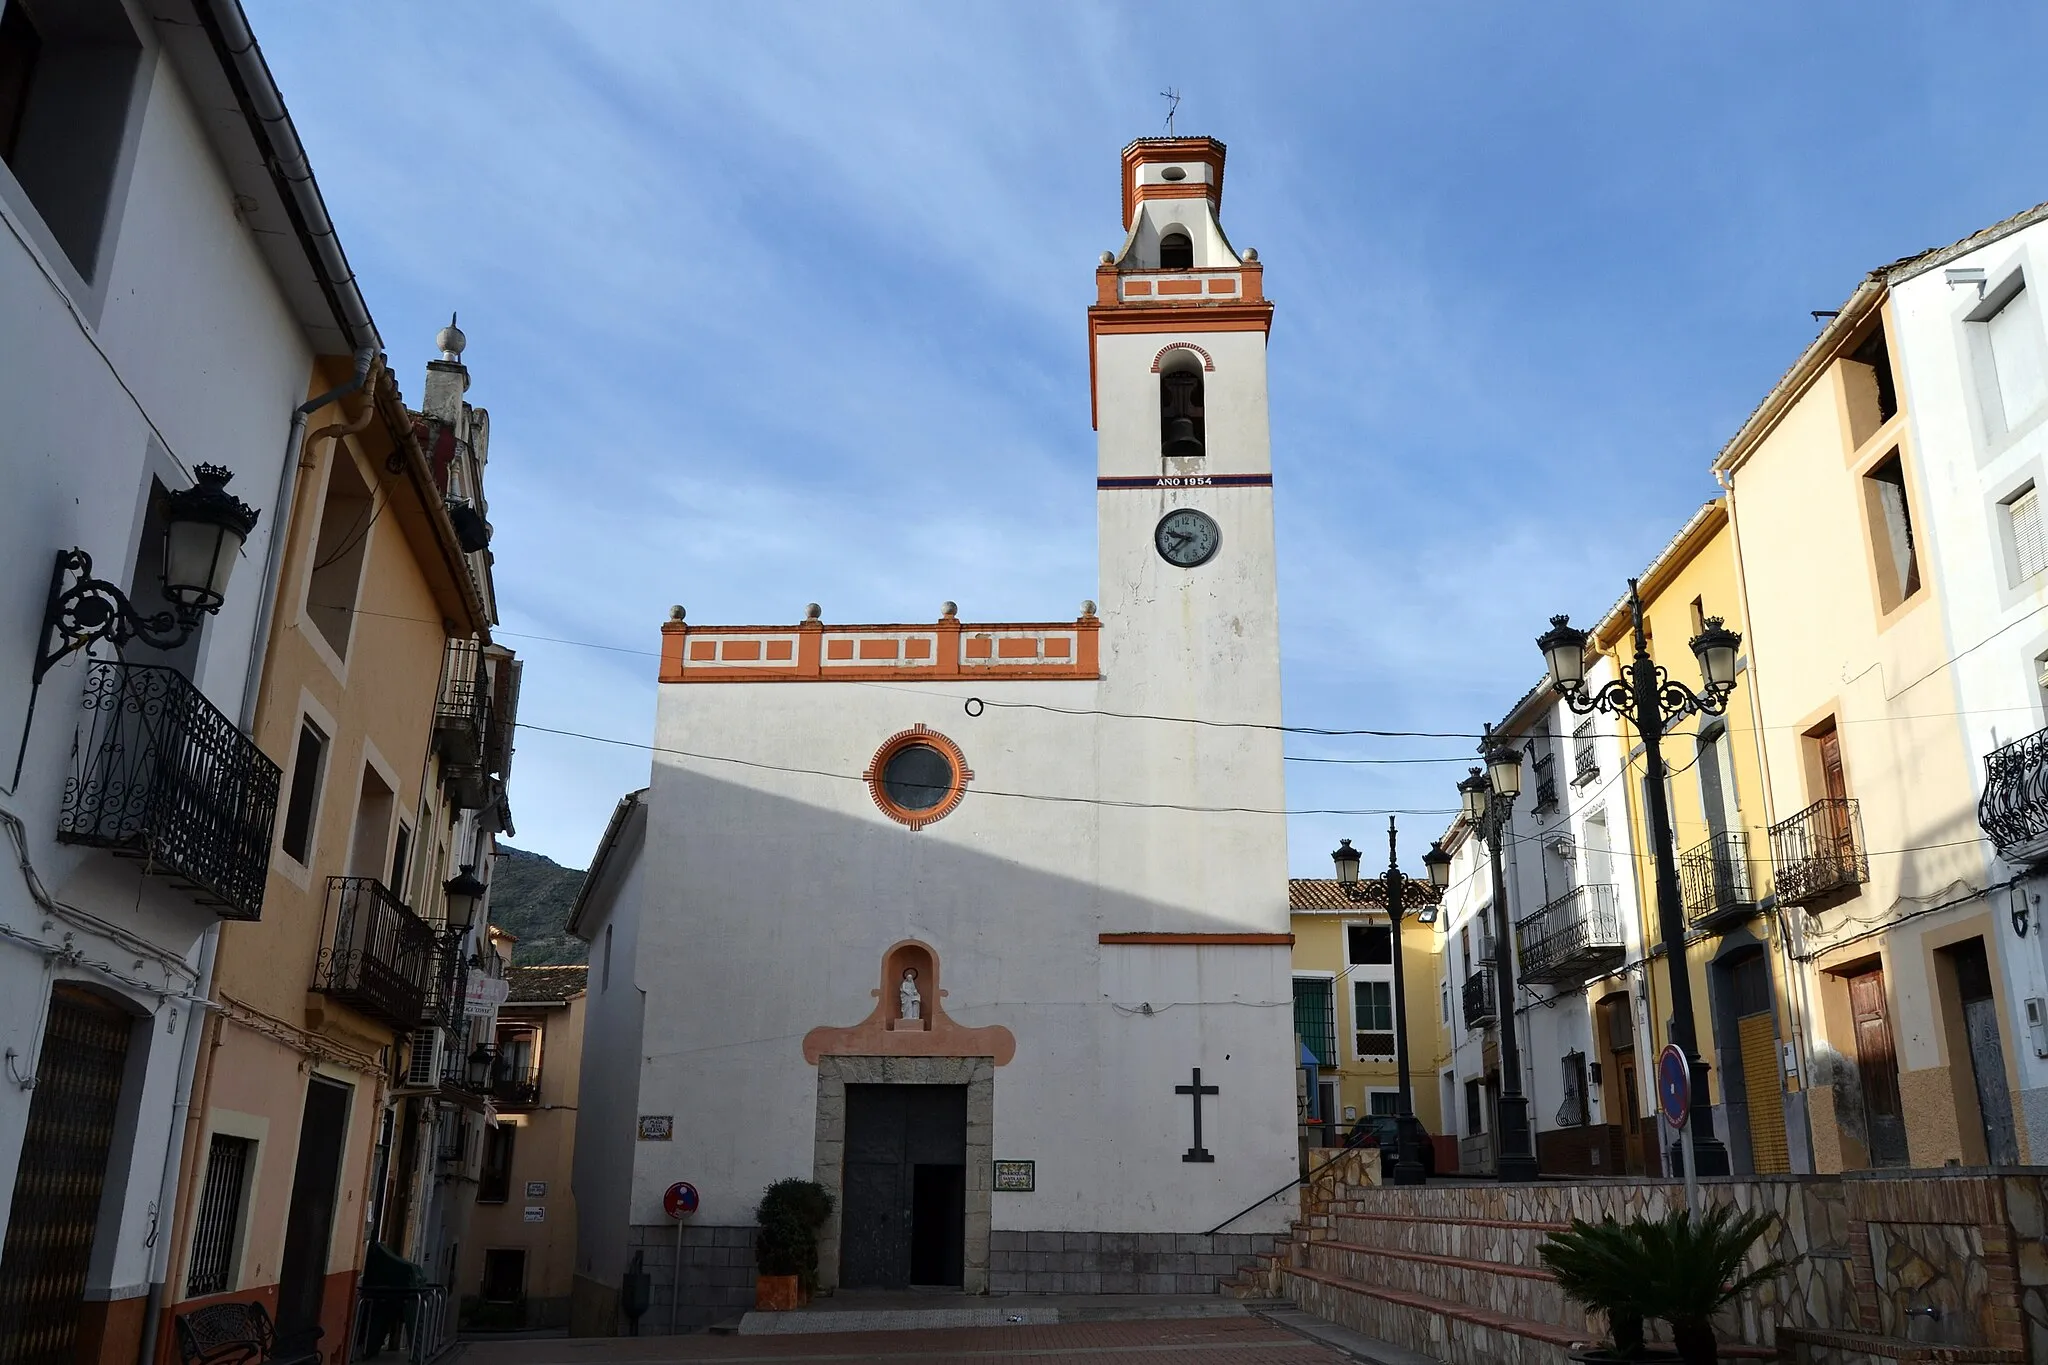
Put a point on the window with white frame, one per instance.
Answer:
(2011, 344)
(1369, 945)
(1383, 1103)
(2023, 523)
(1372, 1017)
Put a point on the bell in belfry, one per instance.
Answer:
(1180, 415)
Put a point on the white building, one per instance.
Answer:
(1966, 325)
(1091, 1088)
(167, 276)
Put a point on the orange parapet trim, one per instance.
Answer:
(1201, 940)
(947, 650)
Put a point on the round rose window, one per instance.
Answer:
(918, 777)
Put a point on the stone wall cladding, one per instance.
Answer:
(717, 1280)
(1118, 1262)
(1863, 1248)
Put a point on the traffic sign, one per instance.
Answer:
(1674, 1085)
(680, 1199)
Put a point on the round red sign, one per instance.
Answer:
(680, 1199)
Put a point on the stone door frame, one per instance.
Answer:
(978, 1074)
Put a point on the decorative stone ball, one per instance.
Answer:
(450, 340)
(1087, 607)
(1109, 258)
(813, 612)
(675, 613)
(949, 609)
(1251, 253)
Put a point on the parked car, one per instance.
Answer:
(1382, 1130)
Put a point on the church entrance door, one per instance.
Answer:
(905, 1218)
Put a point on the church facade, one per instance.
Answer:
(1036, 1033)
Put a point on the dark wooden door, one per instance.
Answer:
(71, 1119)
(1987, 1052)
(1885, 1125)
(905, 1186)
(309, 1222)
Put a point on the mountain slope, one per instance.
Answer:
(531, 896)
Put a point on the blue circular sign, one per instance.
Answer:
(1674, 1085)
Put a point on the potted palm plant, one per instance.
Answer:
(1600, 1265)
(786, 1248)
(1692, 1267)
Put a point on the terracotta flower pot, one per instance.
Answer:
(777, 1293)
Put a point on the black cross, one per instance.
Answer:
(1195, 1092)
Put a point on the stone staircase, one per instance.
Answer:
(1465, 1291)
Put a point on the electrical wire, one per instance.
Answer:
(979, 791)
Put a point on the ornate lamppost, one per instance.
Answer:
(1408, 1168)
(1488, 800)
(1653, 702)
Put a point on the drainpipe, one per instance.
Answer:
(280, 527)
(174, 1147)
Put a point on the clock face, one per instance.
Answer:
(1187, 537)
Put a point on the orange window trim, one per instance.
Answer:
(895, 744)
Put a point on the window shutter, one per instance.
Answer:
(2024, 513)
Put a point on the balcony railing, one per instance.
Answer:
(1574, 938)
(1479, 998)
(1819, 853)
(160, 773)
(462, 708)
(1546, 782)
(378, 956)
(2014, 808)
(509, 1082)
(1714, 877)
(448, 983)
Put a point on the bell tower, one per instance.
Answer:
(1184, 500)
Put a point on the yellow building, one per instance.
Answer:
(375, 698)
(1344, 1004)
(520, 1255)
(1742, 995)
(1881, 875)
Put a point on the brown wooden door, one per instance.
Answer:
(1879, 1064)
(1832, 783)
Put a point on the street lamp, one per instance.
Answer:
(1653, 702)
(1408, 1162)
(464, 893)
(477, 1068)
(1488, 801)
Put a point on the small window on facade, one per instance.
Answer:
(1443, 996)
(2018, 367)
(303, 805)
(1585, 754)
(494, 1181)
(1384, 1104)
(1372, 1016)
(2023, 519)
(217, 1224)
(1890, 516)
(401, 855)
(1315, 1017)
(338, 552)
(67, 77)
(1867, 379)
(504, 1276)
(1176, 252)
(1370, 944)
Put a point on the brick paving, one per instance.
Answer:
(1202, 1341)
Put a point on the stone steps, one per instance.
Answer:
(1454, 1333)
(1517, 1292)
(1486, 1239)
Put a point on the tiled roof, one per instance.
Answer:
(1327, 893)
(545, 985)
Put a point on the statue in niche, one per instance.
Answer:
(910, 1003)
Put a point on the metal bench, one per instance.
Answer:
(239, 1334)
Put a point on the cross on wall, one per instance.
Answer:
(1194, 1090)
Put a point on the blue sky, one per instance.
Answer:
(781, 303)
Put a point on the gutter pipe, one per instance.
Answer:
(164, 1228)
(280, 525)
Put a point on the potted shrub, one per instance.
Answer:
(1691, 1267)
(786, 1248)
(1600, 1265)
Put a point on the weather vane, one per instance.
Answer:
(1172, 97)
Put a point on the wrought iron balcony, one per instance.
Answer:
(1479, 997)
(462, 707)
(448, 983)
(160, 773)
(1819, 854)
(377, 955)
(1715, 879)
(2014, 808)
(1546, 782)
(509, 1079)
(1575, 937)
